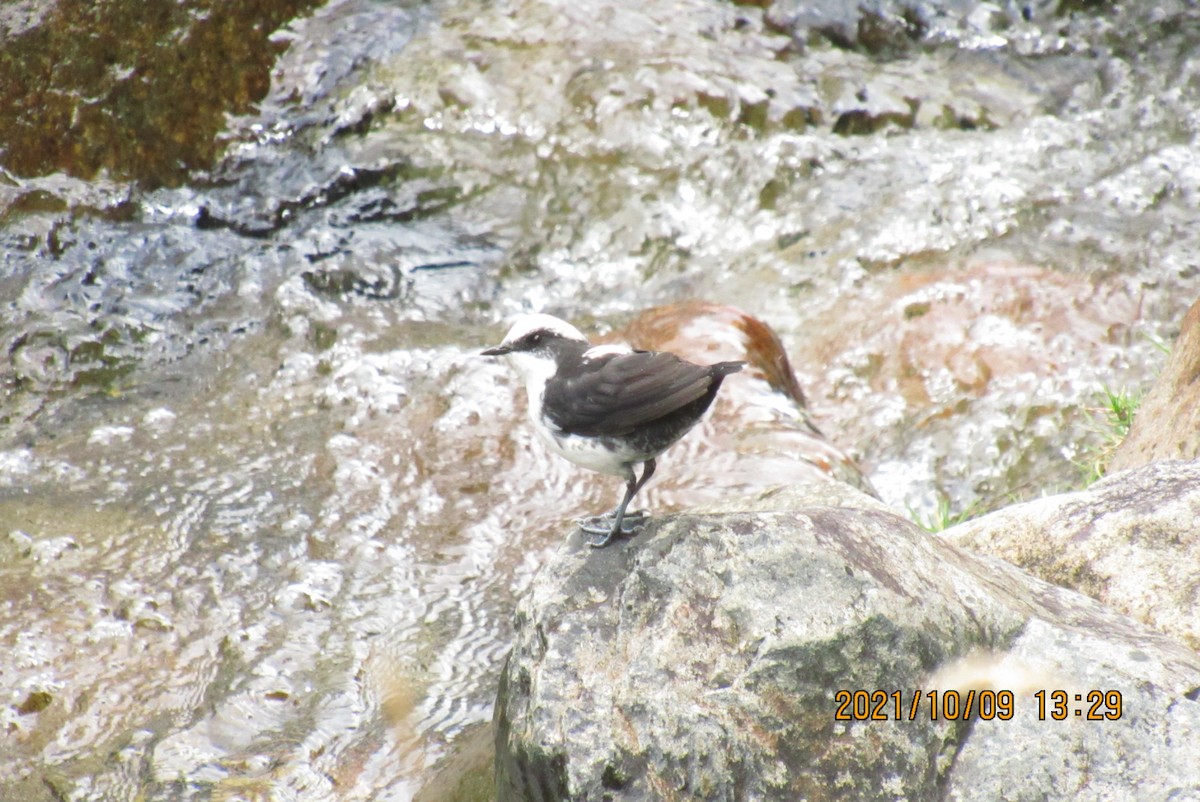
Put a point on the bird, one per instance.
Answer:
(608, 408)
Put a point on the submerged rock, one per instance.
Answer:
(709, 659)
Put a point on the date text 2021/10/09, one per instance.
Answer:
(1057, 705)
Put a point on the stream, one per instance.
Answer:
(265, 511)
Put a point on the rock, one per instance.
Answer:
(703, 659)
(465, 774)
(1167, 424)
(91, 115)
(969, 380)
(1130, 541)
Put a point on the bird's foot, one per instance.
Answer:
(602, 524)
(602, 529)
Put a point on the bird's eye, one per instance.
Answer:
(535, 338)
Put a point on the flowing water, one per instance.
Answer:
(264, 512)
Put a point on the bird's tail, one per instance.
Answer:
(725, 368)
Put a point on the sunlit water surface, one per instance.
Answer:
(266, 511)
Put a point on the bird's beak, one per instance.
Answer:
(499, 350)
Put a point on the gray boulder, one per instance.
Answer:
(703, 659)
(1131, 540)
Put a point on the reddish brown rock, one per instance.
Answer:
(1167, 425)
(973, 326)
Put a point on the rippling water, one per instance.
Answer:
(266, 512)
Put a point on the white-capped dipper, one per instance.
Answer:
(607, 407)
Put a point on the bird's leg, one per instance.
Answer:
(606, 527)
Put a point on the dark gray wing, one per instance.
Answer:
(616, 393)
